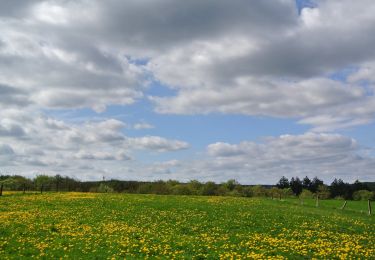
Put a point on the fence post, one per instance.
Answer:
(1, 190)
(41, 189)
(24, 188)
(369, 207)
(343, 206)
(317, 201)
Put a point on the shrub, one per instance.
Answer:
(306, 194)
(258, 191)
(323, 192)
(181, 189)
(363, 195)
(195, 187)
(144, 188)
(247, 192)
(104, 188)
(209, 188)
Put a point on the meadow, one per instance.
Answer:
(117, 226)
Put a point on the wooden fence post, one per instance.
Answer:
(369, 207)
(41, 189)
(317, 201)
(24, 188)
(1, 190)
(343, 206)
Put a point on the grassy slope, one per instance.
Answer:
(117, 225)
(355, 206)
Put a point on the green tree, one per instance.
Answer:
(340, 189)
(161, 187)
(44, 181)
(274, 192)
(305, 194)
(209, 189)
(363, 195)
(287, 192)
(144, 188)
(259, 191)
(306, 183)
(195, 187)
(104, 188)
(231, 184)
(181, 189)
(16, 183)
(315, 183)
(296, 185)
(247, 192)
(323, 192)
(283, 183)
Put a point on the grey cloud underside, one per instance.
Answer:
(67, 78)
(12, 130)
(6, 150)
(306, 54)
(324, 104)
(323, 41)
(10, 96)
(166, 23)
(238, 55)
(15, 8)
(261, 97)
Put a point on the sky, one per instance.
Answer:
(206, 90)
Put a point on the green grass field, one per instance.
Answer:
(106, 226)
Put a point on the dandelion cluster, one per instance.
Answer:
(117, 226)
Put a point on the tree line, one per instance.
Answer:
(337, 189)
(294, 187)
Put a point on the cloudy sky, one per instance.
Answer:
(207, 90)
